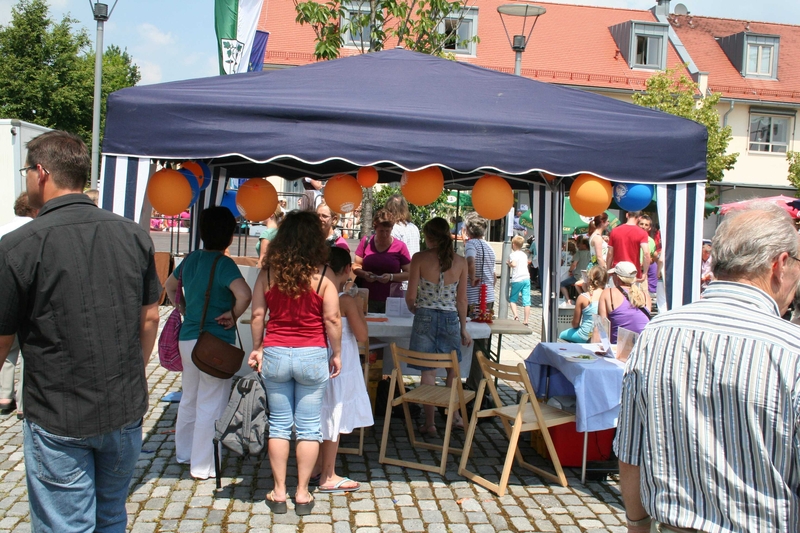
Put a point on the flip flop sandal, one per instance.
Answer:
(429, 431)
(275, 506)
(303, 509)
(338, 487)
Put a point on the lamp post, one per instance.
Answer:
(518, 44)
(520, 41)
(101, 15)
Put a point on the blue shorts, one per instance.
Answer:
(523, 287)
(435, 331)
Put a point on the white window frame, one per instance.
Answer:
(648, 40)
(652, 32)
(759, 43)
(772, 146)
(360, 7)
(469, 15)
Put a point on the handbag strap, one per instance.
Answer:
(208, 297)
(208, 292)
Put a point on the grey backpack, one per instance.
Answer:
(243, 426)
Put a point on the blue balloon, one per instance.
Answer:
(229, 201)
(633, 196)
(193, 183)
(207, 175)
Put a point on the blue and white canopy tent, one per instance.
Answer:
(400, 110)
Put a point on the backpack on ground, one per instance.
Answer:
(243, 426)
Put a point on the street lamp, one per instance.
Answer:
(518, 44)
(101, 14)
(520, 41)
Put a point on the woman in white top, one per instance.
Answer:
(598, 247)
(403, 229)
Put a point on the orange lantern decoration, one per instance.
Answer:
(590, 195)
(422, 187)
(343, 194)
(195, 169)
(169, 192)
(367, 176)
(256, 199)
(492, 197)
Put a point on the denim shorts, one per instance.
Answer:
(295, 379)
(435, 331)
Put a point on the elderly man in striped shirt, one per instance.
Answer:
(709, 430)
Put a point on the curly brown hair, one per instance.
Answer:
(296, 252)
(382, 217)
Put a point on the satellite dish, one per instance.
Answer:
(680, 9)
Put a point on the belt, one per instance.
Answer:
(665, 528)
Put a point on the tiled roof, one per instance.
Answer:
(571, 44)
(699, 35)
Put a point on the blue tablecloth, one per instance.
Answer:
(597, 386)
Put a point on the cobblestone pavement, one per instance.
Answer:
(164, 497)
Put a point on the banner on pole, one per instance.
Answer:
(235, 22)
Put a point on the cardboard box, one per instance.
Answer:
(569, 444)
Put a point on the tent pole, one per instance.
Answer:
(502, 311)
(554, 256)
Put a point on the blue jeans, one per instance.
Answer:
(295, 379)
(435, 331)
(78, 485)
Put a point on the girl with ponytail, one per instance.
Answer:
(437, 295)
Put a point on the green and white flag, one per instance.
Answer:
(235, 22)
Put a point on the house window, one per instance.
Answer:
(648, 51)
(358, 30)
(769, 134)
(461, 30)
(759, 59)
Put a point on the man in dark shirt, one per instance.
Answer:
(79, 288)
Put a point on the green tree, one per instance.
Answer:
(47, 70)
(413, 24)
(794, 170)
(420, 214)
(676, 94)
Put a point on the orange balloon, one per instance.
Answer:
(195, 169)
(590, 195)
(169, 192)
(367, 176)
(422, 187)
(343, 194)
(492, 197)
(548, 177)
(257, 199)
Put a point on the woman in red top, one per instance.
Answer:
(303, 310)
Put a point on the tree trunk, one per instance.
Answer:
(366, 212)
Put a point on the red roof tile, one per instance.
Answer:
(699, 35)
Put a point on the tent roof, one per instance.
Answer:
(401, 110)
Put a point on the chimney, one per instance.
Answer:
(661, 9)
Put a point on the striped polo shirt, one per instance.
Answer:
(711, 414)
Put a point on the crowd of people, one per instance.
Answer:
(709, 430)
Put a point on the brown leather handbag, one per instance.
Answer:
(211, 354)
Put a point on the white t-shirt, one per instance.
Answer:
(519, 272)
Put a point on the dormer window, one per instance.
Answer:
(642, 44)
(753, 55)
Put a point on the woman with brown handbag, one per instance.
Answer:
(204, 397)
(303, 319)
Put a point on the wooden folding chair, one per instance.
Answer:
(363, 351)
(451, 398)
(527, 415)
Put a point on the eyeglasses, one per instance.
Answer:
(795, 258)
(24, 171)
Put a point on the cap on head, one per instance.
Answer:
(624, 269)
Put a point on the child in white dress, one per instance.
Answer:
(345, 405)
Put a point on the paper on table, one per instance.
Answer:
(626, 339)
(397, 307)
(602, 327)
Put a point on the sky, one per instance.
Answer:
(174, 39)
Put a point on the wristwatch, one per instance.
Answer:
(391, 277)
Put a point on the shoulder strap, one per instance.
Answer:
(322, 276)
(208, 292)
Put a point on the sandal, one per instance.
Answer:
(275, 506)
(428, 430)
(516, 318)
(339, 488)
(303, 509)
